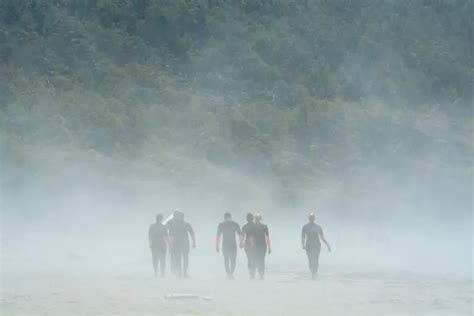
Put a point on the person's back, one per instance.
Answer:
(248, 232)
(179, 230)
(260, 234)
(312, 232)
(157, 235)
(229, 230)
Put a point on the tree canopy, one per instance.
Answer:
(299, 93)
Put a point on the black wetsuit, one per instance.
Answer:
(248, 232)
(228, 230)
(157, 234)
(312, 232)
(260, 234)
(179, 249)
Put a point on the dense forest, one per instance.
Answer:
(296, 95)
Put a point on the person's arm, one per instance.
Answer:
(170, 238)
(218, 237)
(193, 237)
(241, 236)
(166, 237)
(321, 234)
(170, 241)
(149, 236)
(303, 238)
(249, 236)
(268, 241)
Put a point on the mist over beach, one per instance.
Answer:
(114, 111)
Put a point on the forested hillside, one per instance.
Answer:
(299, 96)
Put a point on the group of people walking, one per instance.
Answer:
(254, 238)
(173, 235)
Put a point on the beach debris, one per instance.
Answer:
(181, 296)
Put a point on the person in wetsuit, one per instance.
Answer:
(171, 222)
(262, 244)
(179, 244)
(249, 244)
(310, 241)
(228, 229)
(157, 239)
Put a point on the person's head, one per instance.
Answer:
(159, 218)
(249, 217)
(311, 217)
(258, 218)
(227, 216)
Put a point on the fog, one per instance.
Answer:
(113, 111)
(75, 223)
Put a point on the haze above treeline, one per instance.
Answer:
(351, 104)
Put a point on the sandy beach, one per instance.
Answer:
(283, 292)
